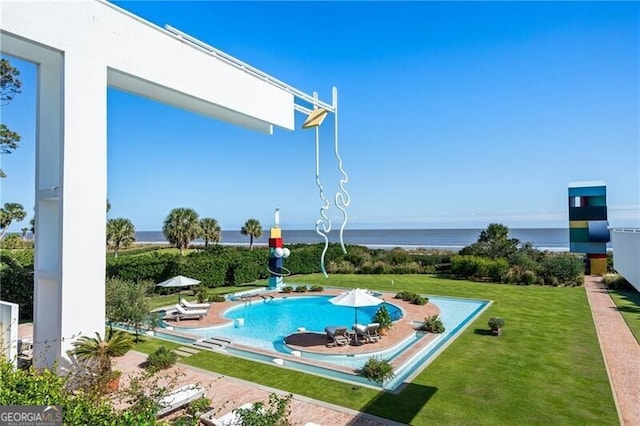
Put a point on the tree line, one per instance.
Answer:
(181, 227)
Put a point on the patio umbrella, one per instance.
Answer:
(356, 298)
(178, 281)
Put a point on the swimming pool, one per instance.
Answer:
(266, 323)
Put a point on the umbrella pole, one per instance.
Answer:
(356, 310)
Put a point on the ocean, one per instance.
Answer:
(553, 239)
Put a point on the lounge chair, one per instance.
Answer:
(182, 313)
(337, 335)
(178, 398)
(367, 333)
(189, 305)
(229, 419)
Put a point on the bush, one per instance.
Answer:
(287, 289)
(403, 295)
(416, 299)
(528, 277)
(316, 288)
(275, 413)
(616, 282)
(566, 268)
(217, 298)
(201, 293)
(301, 289)
(383, 318)
(377, 370)
(16, 280)
(433, 324)
(161, 359)
(495, 322)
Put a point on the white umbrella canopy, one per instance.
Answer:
(356, 298)
(178, 281)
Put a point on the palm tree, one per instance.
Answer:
(181, 227)
(211, 230)
(24, 233)
(99, 351)
(9, 213)
(253, 229)
(120, 234)
(32, 228)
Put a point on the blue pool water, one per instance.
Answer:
(267, 323)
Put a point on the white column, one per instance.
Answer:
(71, 208)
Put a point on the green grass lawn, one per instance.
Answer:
(628, 303)
(546, 368)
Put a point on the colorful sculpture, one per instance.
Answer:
(588, 225)
(277, 254)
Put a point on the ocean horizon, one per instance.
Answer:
(552, 239)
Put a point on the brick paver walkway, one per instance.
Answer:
(227, 393)
(620, 350)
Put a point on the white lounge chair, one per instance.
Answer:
(189, 305)
(182, 313)
(178, 398)
(229, 419)
(368, 333)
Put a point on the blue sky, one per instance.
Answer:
(452, 115)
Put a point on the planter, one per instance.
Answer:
(496, 331)
(113, 383)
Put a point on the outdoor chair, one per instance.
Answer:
(337, 335)
(368, 333)
(229, 419)
(182, 313)
(189, 305)
(178, 398)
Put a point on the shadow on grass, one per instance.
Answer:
(483, 332)
(631, 296)
(402, 407)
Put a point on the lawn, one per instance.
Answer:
(628, 303)
(546, 368)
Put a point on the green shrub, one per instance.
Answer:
(316, 288)
(287, 289)
(377, 267)
(495, 322)
(565, 267)
(416, 299)
(217, 298)
(16, 280)
(161, 359)
(433, 324)
(201, 293)
(616, 282)
(275, 413)
(528, 277)
(403, 295)
(377, 370)
(300, 289)
(15, 241)
(383, 318)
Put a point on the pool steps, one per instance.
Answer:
(212, 343)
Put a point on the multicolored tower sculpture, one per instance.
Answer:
(588, 225)
(277, 254)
